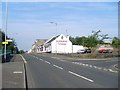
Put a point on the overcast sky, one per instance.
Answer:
(28, 21)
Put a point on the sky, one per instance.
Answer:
(61, 0)
(28, 21)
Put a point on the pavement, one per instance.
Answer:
(44, 71)
(13, 74)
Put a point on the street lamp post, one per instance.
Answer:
(56, 33)
(6, 29)
(55, 25)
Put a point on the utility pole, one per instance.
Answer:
(6, 28)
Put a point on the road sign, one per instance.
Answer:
(4, 42)
(9, 40)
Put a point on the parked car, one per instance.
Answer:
(88, 50)
(105, 51)
(81, 51)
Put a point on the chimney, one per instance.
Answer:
(67, 37)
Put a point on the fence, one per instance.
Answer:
(8, 52)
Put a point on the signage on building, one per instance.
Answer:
(61, 41)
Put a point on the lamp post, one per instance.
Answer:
(55, 25)
(6, 28)
(56, 33)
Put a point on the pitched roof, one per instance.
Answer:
(52, 39)
(40, 41)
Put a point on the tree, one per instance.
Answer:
(90, 41)
(21, 51)
(72, 39)
(116, 42)
(10, 46)
(96, 34)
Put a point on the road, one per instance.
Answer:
(49, 72)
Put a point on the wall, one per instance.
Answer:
(62, 45)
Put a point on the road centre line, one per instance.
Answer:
(47, 62)
(57, 66)
(80, 76)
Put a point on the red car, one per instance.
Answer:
(103, 51)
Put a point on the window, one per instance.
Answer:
(61, 37)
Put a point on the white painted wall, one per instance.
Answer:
(61, 45)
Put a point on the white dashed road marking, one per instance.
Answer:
(41, 59)
(57, 66)
(100, 68)
(81, 76)
(17, 72)
(105, 69)
(86, 64)
(47, 62)
(90, 65)
(95, 66)
(111, 70)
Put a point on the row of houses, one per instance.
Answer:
(56, 44)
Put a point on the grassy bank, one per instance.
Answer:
(93, 55)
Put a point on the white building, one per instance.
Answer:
(37, 47)
(58, 44)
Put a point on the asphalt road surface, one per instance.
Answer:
(49, 72)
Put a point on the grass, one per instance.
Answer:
(93, 55)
